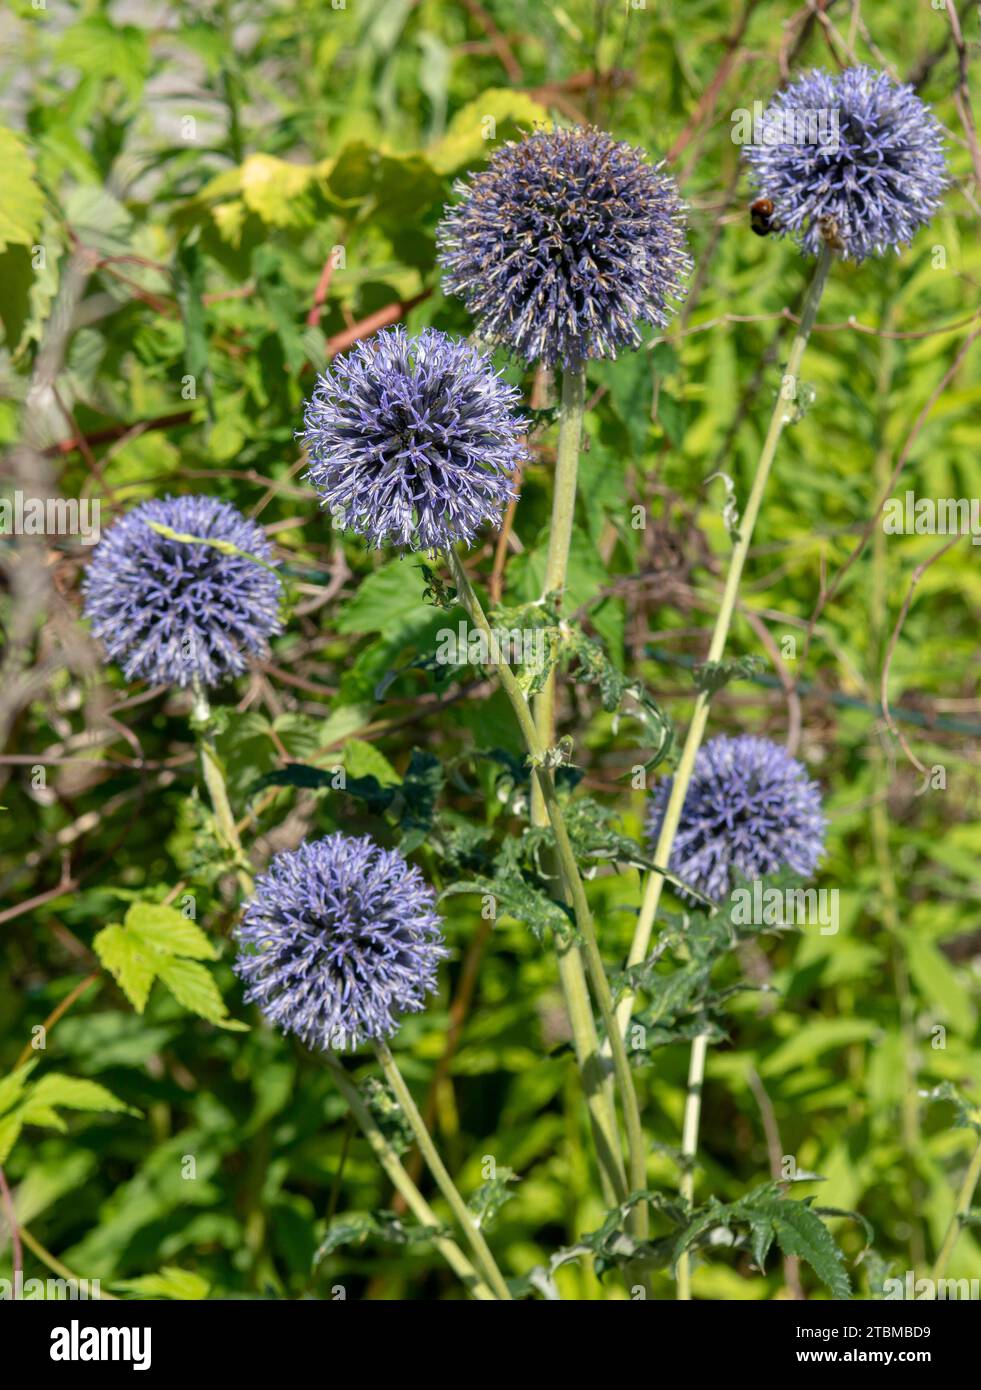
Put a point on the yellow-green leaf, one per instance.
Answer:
(133, 965)
(23, 202)
(168, 931)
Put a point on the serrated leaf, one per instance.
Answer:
(74, 1093)
(132, 965)
(801, 1232)
(170, 1282)
(193, 986)
(164, 929)
(23, 202)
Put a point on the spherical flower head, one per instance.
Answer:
(564, 244)
(340, 939)
(853, 156)
(176, 612)
(750, 810)
(413, 441)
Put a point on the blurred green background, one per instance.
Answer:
(226, 194)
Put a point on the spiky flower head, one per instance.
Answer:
(853, 155)
(750, 810)
(413, 441)
(340, 939)
(176, 612)
(564, 244)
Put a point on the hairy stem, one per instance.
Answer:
(436, 1166)
(964, 1199)
(403, 1184)
(783, 412)
(689, 1143)
(214, 780)
(586, 1042)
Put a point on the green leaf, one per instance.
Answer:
(165, 929)
(800, 1231)
(481, 126)
(74, 1093)
(23, 202)
(170, 1282)
(132, 965)
(194, 987)
(387, 595)
(939, 983)
(10, 1128)
(13, 1085)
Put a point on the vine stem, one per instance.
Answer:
(598, 1101)
(400, 1180)
(784, 411)
(438, 1169)
(964, 1198)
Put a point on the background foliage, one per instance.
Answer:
(190, 171)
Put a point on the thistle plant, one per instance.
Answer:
(565, 245)
(888, 167)
(310, 886)
(181, 592)
(339, 941)
(872, 186)
(749, 811)
(413, 441)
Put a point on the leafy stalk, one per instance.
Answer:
(784, 411)
(403, 1184)
(438, 1169)
(963, 1205)
(214, 780)
(587, 1052)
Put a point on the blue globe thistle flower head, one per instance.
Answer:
(850, 156)
(412, 441)
(565, 243)
(175, 612)
(750, 810)
(340, 940)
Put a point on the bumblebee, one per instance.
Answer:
(831, 232)
(761, 217)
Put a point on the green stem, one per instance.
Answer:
(964, 1199)
(400, 1180)
(586, 1042)
(214, 780)
(783, 412)
(689, 1143)
(436, 1166)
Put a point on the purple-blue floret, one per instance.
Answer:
(175, 612)
(880, 180)
(564, 245)
(340, 940)
(750, 811)
(413, 441)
